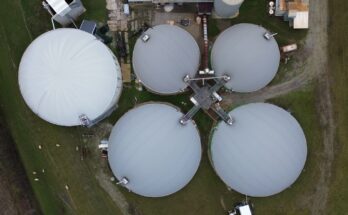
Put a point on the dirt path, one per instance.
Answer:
(319, 62)
(103, 130)
(114, 193)
(318, 200)
(295, 83)
(314, 66)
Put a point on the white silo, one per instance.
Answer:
(151, 153)
(67, 74)
(262, 153)
(245, 54)
(163, 56)
(227, 8)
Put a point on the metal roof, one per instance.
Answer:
(59, 6)
(245, 210)
(227, 8)
(243, 53)
(162, 62)
(157, 154)
(65, 73)
(262, 153)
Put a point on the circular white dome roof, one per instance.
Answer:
(262, 153)
(65, 73)
(246, 56)
(157, 154)
(165, 59)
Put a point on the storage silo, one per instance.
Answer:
(262, 153)
(163, 56)
(245, 54)
(151, 153)
(227, 8)
(64, 12)
(67, 76)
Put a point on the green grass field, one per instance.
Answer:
(338, 68)
(23, 20)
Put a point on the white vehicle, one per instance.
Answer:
(289, 48)
(242, 209)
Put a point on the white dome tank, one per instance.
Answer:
(66, 73)
(243, 53)
(262, 153)
(156, 154)
(162, 62)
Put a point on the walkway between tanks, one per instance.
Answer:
(114, 193)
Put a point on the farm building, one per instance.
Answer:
(151, 153)
(64, 11)
(163, 56)
(294, 11)
(248, 54)
(68, 77)
(222, 8)
(262, 153)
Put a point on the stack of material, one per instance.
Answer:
(111, 5)
(126, 72)
(294, 11)
(118, 21)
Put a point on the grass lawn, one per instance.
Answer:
(295, 200)
(17, 196)
(63, 166)
(338, 68)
